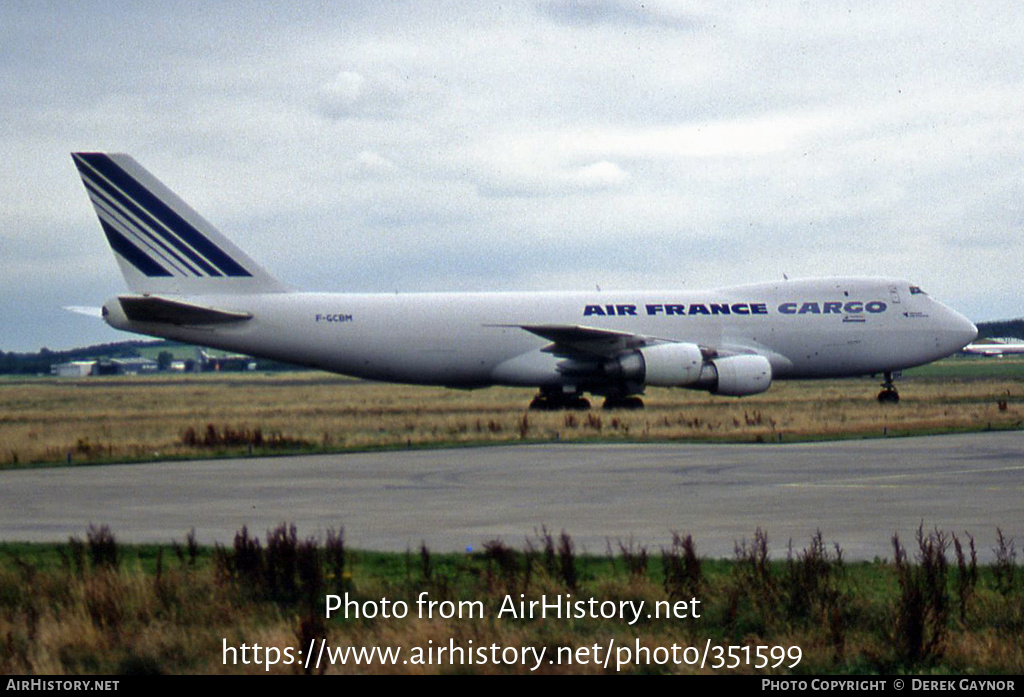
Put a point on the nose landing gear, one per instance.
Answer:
(888, 395)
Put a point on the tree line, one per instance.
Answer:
(41, 362)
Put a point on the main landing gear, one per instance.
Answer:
(632, 403)
(559, 400)
(556, 400)
(888, 395)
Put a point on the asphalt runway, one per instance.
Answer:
(857, 493)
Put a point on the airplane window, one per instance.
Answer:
(915, 290)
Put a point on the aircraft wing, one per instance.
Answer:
(572, 340)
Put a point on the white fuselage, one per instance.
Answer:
(806, 329)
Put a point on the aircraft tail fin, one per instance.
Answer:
(162, 245)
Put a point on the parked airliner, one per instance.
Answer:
(190, 283)
(995, 347)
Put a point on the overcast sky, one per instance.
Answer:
(414, 146)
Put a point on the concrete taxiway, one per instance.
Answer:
(857, 493)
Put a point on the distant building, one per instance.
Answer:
(73, 369)
(126, 366)
(203, 362)
(229, 362)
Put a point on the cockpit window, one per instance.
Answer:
(915, 290)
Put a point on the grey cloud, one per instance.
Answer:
(351, 94)
(622, 12)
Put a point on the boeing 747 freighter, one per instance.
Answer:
(189, 283)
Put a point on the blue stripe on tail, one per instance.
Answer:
(157, 214)
(135, 256)
(147, 230)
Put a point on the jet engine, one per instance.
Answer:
(683, 365)
(662, 365)
(737, 376)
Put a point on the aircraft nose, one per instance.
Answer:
(970, 333)
(962, 330)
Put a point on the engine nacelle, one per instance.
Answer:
(683, 365)
(663, 365)
(742, 375)
(672, 365)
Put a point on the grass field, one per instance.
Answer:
(50, 420)
(94, 607)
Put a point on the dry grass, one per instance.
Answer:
(101, 619)
(52, 420)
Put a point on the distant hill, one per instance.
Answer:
(12, 363)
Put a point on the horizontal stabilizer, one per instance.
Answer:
(161, 310)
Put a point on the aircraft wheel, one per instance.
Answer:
(888, 397)
(540, 403)
(629, 403)
(548, 403)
